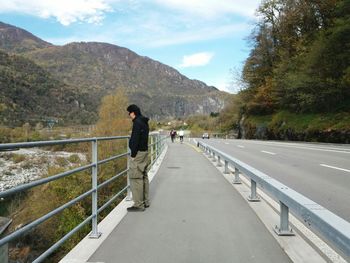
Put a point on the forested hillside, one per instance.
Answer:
(28, 93)
(299, 64)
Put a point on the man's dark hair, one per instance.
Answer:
(134, 108)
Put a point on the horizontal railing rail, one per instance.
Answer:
(9, 146)
(332, 228)
(156, 145)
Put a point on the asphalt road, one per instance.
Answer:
(321, 172)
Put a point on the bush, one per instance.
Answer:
(74, 158)
(61, 161)
(17, 158)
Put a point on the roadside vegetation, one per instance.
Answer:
(297, 76)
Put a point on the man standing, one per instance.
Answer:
(181, 135)
(172, 135)
(138, 145)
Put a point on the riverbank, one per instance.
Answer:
(26, 165)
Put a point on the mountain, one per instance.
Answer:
(97, 69)
(17, 40)
(28, 93)
(100, 68)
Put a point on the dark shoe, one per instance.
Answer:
(135, 209)
(146, 206)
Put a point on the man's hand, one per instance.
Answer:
(132, 158)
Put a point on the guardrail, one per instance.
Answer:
(334, 230)
(156, 146)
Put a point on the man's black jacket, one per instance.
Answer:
(139, 135)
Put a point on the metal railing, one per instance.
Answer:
(334, 230)
(156, 145)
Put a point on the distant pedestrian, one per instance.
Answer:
(172, 135)
(181, 135)
(138, 145)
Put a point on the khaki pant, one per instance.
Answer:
(139, 183)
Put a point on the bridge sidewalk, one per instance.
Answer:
(195, 216)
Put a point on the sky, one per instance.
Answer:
(202, 39)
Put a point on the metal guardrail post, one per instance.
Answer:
(152, 147)
(226, 171)
(284, 229)
(159, 142)
(128, 191)
(4, 253)
(94, 233)
(237, 180)
(253, 196)
(219, 161)
(159, 145)
(213, 157)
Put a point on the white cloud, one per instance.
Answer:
(197, 59)
(210, 8)
(153, 34)
(198, 34)
(135, 23)
(65, 11)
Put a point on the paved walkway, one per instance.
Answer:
(195, 216)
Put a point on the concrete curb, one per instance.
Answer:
(87, 247)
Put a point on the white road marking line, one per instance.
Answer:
(294, 145)
(268, 152)
(337, 168)
(227, 143)
(240, 146)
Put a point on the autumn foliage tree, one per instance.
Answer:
(300, 58)
(113, 117)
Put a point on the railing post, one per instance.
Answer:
(152, 146)
(237, 180)
(213, 157)
(128, 191)
(162, 142)
(219, 161)
(226, 171)
(94, 233)
(253, 196)
(284, 229)
(158, 145)
(4, 253)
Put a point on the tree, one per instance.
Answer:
(300, 58)
(113, 117)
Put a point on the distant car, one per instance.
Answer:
(205, 136)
